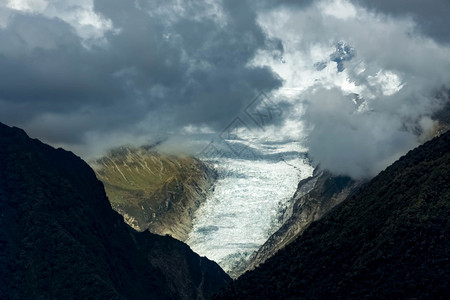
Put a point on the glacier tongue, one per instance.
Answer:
(242, 212)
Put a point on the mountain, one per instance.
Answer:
(390, 239)
(442, 117)
(60, 238)
(315, 196)
(155, 191)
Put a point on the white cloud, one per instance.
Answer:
(89, 25)
(340, 9)
(33, 6)
(396, 71)
(388, 82)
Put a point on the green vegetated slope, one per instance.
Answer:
(154, 191)
(389, 240)
(60, 238)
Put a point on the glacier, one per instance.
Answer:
(246, 204)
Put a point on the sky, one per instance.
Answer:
(356, 80)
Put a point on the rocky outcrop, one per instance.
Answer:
(442, 117)
(60, 238)
(155, 191)
(315, 196)
(389, 240)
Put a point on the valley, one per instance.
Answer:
(389, 239)
(236, 149)
(327, 237)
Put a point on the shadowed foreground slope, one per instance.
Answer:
(389, 240)
(315, 196)
(60, 239)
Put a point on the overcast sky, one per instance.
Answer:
(356, 79)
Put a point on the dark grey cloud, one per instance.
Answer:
(432, 17)
(156, 67)
(161, 68)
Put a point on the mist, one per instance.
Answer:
(356, 81)
(366, 84)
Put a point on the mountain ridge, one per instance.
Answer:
(388, 240)
(61, 239)
(314, 197)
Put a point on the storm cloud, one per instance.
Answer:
(356, 79)
(156, 66)
(431, 17)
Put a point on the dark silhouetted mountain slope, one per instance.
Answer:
(315, 196)
(389, 240)
(60, 239)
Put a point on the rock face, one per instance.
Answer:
(442, 117)
(315, 196)
(60, 238)
(155, 191)
(388, 240)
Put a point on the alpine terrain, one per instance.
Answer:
(60, 238)
(154, 191)
(390, 239)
